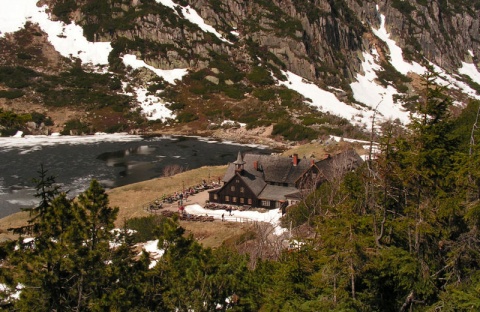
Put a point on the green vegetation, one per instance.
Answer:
(313, 12)
(11, 94)
(228, 70)
(144, 229)
(389, 75)
(63, 8)
(11, 122)
(185, 117)
(81, 88)
(399, 233)
(294, 132)
(260, 76)
(40, 118)
(403, 6)
(290, 98)
(264, 94)
(17, 77)
(72, 88)
(75, 126)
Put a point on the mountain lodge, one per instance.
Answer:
(272, 181)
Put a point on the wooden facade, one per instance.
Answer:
(234, 192)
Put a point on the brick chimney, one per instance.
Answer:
(255, 165)
(312, 161)
(295, 159)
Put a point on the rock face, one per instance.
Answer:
(231, 63)
(319, 39)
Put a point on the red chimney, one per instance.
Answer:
(295, 159)
(312, 161)
(255, 165)
(327, 156)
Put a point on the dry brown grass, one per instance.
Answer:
(132, 198)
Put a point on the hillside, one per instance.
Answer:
(309, 69)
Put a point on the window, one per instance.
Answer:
(242, 189)
(237, 181)
(265, 203)
(227, 198)
(232, 188)
(278, 204)
(234, 199)
(242, 200)
(249, 201)
(215, 196)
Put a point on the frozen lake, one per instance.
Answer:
(113, 160)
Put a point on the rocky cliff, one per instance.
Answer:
(323, 41)
(314, 39)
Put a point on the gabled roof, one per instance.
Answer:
(266, 175)
(271, 168)
(254, 182)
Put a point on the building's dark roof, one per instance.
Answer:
(276, 176)
(276, 192)
(272, 168)
(255, 182)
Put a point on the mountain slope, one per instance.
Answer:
(203, 62)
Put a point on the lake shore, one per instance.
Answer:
(132, 199)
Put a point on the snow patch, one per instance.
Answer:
(191, 15)
(367, 91)
(452, 82)
(156, 253)
(323, 100)
(271, 216)
(68, 40)
(232, 123)
(168, 75)
(152, 106)
(396, 53)
(471, 71)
